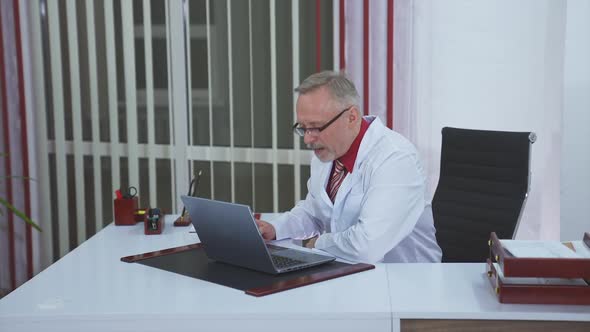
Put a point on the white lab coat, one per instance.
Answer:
(379, 214)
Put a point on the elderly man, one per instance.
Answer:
(365, 198)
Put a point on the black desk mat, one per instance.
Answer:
(192, 261)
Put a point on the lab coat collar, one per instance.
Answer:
(352, 179)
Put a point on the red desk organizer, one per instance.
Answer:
(183, 220)
(525, 267)
(125, 209)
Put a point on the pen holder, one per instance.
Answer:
(125, 211)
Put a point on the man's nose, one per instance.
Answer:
(308, 138)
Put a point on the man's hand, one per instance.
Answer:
(310, 243)
(266, 230)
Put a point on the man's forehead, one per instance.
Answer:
(312, 117)
(315, 105)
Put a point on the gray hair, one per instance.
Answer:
(340, 86)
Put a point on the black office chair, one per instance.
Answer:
(483, 186)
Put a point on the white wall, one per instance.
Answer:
(494, 65)
(575, 165)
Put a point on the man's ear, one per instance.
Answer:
(354, 114)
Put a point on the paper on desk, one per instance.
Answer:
(538, 281)
(581, 249)
(538, 249)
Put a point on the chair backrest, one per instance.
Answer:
(483, 186)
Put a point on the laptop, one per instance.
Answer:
(229, 234)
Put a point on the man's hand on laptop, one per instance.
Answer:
(310, 243)
(267, 230)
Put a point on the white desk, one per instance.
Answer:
(462, 293)
(90, 289)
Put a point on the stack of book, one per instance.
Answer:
(540, 272)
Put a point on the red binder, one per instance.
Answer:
(526, 267)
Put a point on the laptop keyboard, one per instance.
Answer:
(283, 262)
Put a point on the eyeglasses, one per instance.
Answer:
(301, 131)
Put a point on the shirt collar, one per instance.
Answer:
(349, 158)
